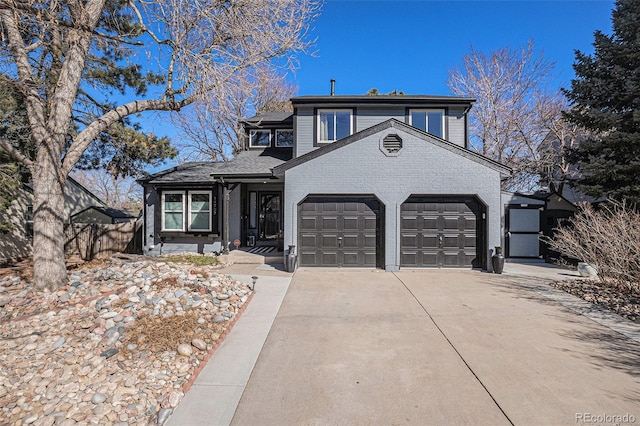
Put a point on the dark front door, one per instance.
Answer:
(339, 231)
(440, 233)
(270, 223)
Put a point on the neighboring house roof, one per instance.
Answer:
(112, 213)
(393, 124)
(85, 190)
(29, 187)
(254, 162)
(551, 196)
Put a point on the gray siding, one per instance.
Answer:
(456, 127)
(92, 216)
(303, 131)
(363, 168)
(367, 117)
(370, 116)
(16, 244)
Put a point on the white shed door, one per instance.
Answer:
(524, 232)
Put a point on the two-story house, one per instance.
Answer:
(366, 181)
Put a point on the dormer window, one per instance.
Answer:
(334, 125)
(284, 138)
(428, 120)
(259, 138)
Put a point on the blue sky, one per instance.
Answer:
(411, 45)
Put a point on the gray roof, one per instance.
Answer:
(270, 118)
(254, 162)
(407, 100)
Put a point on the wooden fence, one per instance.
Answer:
(96, 240)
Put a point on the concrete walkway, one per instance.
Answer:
(213, 397)
(438, 347)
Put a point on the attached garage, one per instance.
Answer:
(392, 197)
(441, 232)
(340, 231)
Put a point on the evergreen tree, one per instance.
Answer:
(605, 96)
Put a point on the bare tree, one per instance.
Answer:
(116, 191)
(553, 162)
(513, 110)
(69, 55)
(212, 127)
(608, 238)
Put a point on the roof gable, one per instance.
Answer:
(393, 124)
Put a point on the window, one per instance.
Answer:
(430, 121)
(284, 138)
(260, 138)
(192, 208)
(173, 211)
(199, 211)
(333, 125)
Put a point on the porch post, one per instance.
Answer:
(225, 218)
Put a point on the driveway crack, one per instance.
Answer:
(455, 349)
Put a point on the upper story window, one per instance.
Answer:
(284, 138)
(334, 124)
(260, 138)
(186, 209)
(428, 120)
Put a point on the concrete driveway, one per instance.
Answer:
(437, 347)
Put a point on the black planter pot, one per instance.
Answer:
(497, 261)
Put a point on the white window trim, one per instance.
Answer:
(282, 131)
(189, 211)
(320, 111)
(173, 211)
(426, 111)
(252, 133)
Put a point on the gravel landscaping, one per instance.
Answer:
(118, 345)
(622, 301)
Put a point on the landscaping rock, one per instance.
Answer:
(81, 355)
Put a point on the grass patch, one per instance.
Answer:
(193, 259)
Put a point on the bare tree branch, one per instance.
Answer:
(8, 147)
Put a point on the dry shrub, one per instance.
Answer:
(607, 238)
(171, 281)
(202, 272)
(158, 334)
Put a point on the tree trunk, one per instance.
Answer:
(50, 272)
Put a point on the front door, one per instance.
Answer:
(270, 223)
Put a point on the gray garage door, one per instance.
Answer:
(339, 232)
(440, 233)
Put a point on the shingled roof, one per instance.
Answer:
(270, 118)
(258, 162)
